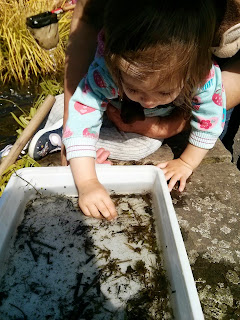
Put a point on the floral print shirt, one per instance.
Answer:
(97, 88)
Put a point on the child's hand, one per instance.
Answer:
(176, 170)
(102, 156)
(95, 201)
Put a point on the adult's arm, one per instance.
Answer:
(80, 52)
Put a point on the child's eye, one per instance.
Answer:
(164, 93)
(132, 90)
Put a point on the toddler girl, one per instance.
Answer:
(157, 54)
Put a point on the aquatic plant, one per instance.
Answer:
(21, 58)
(47, 87)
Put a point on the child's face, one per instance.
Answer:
(147, 93)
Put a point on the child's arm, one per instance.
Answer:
(208, 117)
(80, 135)
(93, 198)
(180, 169)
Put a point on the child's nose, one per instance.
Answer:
(144, 97)
(147, 99)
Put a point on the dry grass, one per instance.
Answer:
(21, 58)
(23, 61)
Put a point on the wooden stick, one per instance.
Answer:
(27, 133)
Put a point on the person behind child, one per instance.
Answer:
(158, 55)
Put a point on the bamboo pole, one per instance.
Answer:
(27, 133)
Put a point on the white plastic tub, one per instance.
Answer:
(120, 179)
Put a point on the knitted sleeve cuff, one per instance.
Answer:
(202, 139)
(80, 147)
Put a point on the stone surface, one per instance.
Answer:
(218, 154)
(208, 212)
(51, 160)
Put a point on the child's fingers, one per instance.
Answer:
(182, 184)
(108, 162)
(100, 151)
(85, 211)
(94, 211)
(168, 174)
(162, 165)
(112, 209)
(103, 209)
(102, 155)
(172, 183)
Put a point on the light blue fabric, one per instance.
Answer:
(209, 111)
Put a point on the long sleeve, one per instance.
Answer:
(209, 111)
(86, 109)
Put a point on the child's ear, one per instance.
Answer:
(131, 111)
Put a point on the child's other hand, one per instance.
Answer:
(95, 201)
(176, 170)
(102, 156)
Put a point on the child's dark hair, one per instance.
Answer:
(172, 37)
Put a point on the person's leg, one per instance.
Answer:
(232, 129)
(125, 146)
(231, 80)
(227, 121)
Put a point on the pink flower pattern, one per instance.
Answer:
(99, 79)
(196, 106)
(86, 88)
(205, 124)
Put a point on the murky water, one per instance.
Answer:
(10, 98)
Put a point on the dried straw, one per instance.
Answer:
(21, 58)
